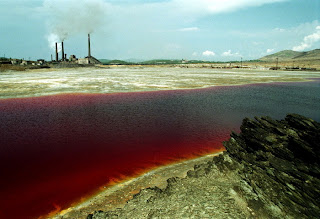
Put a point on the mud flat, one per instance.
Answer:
(42, 82)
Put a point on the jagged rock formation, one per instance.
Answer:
(278, 162)
(270, 170)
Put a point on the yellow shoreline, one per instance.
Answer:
(117, 195)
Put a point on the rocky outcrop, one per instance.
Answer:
(270, 170)
(278, 162)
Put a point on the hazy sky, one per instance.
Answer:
(174, 29)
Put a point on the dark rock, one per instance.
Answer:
(281, 159)
(276, 164)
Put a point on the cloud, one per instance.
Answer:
(208, 53)
(151, 25)
(188, 29)
(230, 54)
(308, 41)
(203, 7)
(270, 50)
(279, 29)
(187, 9)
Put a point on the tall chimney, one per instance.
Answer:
(89, 49)
(57, 55)
(62, 51)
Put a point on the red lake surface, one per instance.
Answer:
(55, 150)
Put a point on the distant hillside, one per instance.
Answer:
(163, 62)
(114, 62)
(103, 61)
(287, 55)
(182, 61)
(149, 62)
(313, 54)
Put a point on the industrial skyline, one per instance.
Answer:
(139, 29)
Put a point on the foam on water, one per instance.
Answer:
(89, 80)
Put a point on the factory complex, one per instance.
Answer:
(62, 60)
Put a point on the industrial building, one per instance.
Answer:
(73, 61)
(81, 61)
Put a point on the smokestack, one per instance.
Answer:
(62, 51)
(89, 49)
(57, 55)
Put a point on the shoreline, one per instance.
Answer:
(295, 80)
(117, 195)
(284, 65)
(253, 178)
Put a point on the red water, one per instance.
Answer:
(57, 149)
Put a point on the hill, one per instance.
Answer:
(287, 55)
(313, 54)
(164, 62)
(282, 55)
(114, 62)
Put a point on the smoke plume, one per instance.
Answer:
(71, 17)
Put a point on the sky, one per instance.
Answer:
(213, 30)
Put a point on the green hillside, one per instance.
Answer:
(161, 61)
(114, 62)
(313, 54)
(282, 55)
(287, 55)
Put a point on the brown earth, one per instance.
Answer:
(117, 196)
